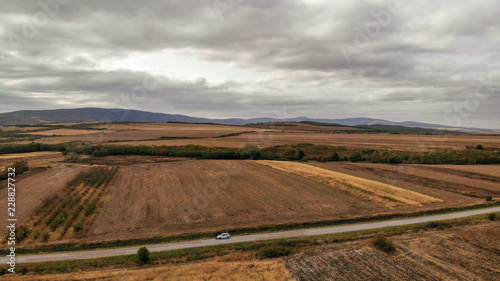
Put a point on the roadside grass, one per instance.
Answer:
(235, 231)
(260, 249)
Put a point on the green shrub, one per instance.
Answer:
(3, 271)
(382, 243)
(488, 198)
(356, 157)
(90, 208)
(57, 221)
(143, 255)
(335, 156)
(23, 270)
(36, 232)
(274, 252)
(492, 216)
(479, 146)
(45, 236)
(78, 227)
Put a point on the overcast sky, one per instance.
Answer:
(427, 61)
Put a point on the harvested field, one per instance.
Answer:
(64, 132)
(125, 160)
(490, 170)
(385, 194)
(442, 178)
(219, 269)
(147, 131)
(460, 253)
(402, 142)
(291, 126)
(15, 128)
(34, 159)
(71, 212)
(33, 191)
(190, 196)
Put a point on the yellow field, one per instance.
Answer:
(28, 155)
(239, 270)
(64, 132)
(381, 193)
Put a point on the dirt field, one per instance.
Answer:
(401, 142)
(32, 191)
(384, 194)
(35, 159)
(460, 253)
(290, 126)
(436, 180)
(64, 132)
(246, 269)
(188, 196)
(147, 131)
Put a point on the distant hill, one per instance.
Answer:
(33, 117)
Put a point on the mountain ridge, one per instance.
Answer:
(95, 114)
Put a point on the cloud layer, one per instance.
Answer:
(430, 61)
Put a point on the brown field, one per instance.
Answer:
(223, 268)
(403, 142)
(461, 253)
(491, 170)
(435, 180)
(77, 203)
(34, 159)
(32, 191)
(14, 128)
(303, 127)
(189, 196)
(137, 132)
(28, 155)
(385, 194)
(64, 132)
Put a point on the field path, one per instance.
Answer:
(62, 256)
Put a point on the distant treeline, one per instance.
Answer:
(461, 157)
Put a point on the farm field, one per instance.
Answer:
(381, 193)
(226, 268)
(459, 253)
(403, 142)
(198, 195)
(33, 191)
(134, 132)
(441, 180)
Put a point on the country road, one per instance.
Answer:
(61, 256)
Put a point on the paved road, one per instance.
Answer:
(60, 256)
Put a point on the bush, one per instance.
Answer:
(382, 243)
(488, 198)
(335, 156)
(45, 236)
(90, 208)
(275, 252)
(78, 227)
(36, 232)
(479, 146)
(356, 157)
(492, 216)
(143, 255)
(23, 270)
(3, 271)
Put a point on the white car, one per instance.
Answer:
(223, 236)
